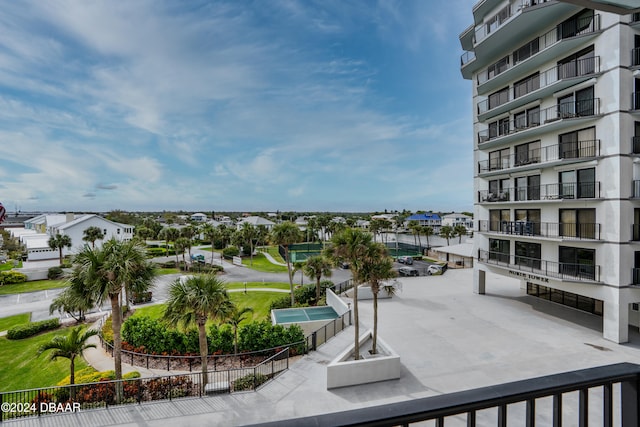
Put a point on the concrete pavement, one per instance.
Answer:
(448, 338)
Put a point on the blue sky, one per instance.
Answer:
(234, 105)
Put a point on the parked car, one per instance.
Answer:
(436, 269)
(405, 260)
(408, 271)
(198, 258)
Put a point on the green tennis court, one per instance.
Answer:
(304, 314)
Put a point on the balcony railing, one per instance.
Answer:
(635, 145)
(574, 150)
(588, 231)
(635, 276)
(635, 189)
(524, 400)
(582, 108)
(578, 68)
(545, 41)
(558, 270)
(555, 191)
(505, 14)
(635, 232)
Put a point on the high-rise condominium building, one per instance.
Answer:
(556, 120)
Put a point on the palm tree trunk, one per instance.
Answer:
(318, 289)
(204, 351)
(116, 325)
(72, 377)
(374, 340)
(60, 251)
(286, 254)
(235, 339)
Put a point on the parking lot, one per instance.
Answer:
(416, 268)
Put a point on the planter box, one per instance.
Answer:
(344, 371)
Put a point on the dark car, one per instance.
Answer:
(405, 260)
(408, 271)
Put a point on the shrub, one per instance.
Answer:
(263, 335)
(282, 302)
(12, 277)
(54, 273)
(249, 382)
(141, 297)
(163, 388)
(230, 251)
(107, 331)
(88, 375)
(32, 328)
(221, 339)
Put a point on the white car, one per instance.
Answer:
(434, 269)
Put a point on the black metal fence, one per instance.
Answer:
(553, 400)
(36, 402)
(215, 362)
(330, 330)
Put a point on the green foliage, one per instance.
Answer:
(89, 375)
(282, 302)
(15, 320)
(230, 251)
(221, 338)
(263, 335)
(54, 273)
(32, 328)
(249, 382)
(12, 277)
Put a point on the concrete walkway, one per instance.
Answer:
(449, 339)
(268, 256)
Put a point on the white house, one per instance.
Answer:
(455, 219)
(426, 219)
(198, 217)
(256, 221)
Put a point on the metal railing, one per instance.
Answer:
(582, 108)
(635, 276)
(575, 150)
(555, 191)
(576, 68)
(635, 57)
(585, 231)
(635, 232)
(635, 189)
(635, 144)
(558, 270)
(524, 400)
(548, 39)
(635, 101)
(35, 402)
(328, 331)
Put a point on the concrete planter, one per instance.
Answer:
(345, 371)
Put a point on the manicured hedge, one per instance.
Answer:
(32, 328)
(12, 277)
(54, 273)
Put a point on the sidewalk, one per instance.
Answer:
(271, 259)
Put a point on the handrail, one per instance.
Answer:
(469, 402)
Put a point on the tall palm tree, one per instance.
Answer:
(446, 232)
(76, 298)
(91, 234)
(249, 234)
(59, 242)
(108, 270)
(285, 234)
(427, 231)
(316, 267)
(212, 234)
(235, 317)
(193, 302)
(460, 230)
(378, 266)
(352, 246)
(69, 346)
(170, 234)
(179, 246)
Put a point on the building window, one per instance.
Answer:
(499, 159)
(528, 188)
(578, 104)
(497, 68)
(527, 153)
(579, 64)
(580, 184)
(580, 302)
(577, 262)
(528, 254)
(527, 118)
(498, 218)
(526, 51)
(530, 220)
(498, 190)
(498, 98)
(576, 144)
(578, 24)
(578, 223)
(499, 128)
(526, 85)
(499, 250)
(636, 138)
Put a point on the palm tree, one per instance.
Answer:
(298, 266)
(212, 234)
(76, 297)
(170, 234)
(460, 230)
(427, 231)
(69, 346)
(249, 234)
(59, 242)
(180, 245)
(91, 234)
(285, 234)
(353, 246)
(117, 265)
(446, 232)
(316, 267)
(378, 266)
(193, 302)
(235, 317)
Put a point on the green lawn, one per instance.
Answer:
(21, 368)
(271, 285)
(261, 263)
(154, 311)
(7, 323)
(273, 251)
(36, 285)
(164, 271)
